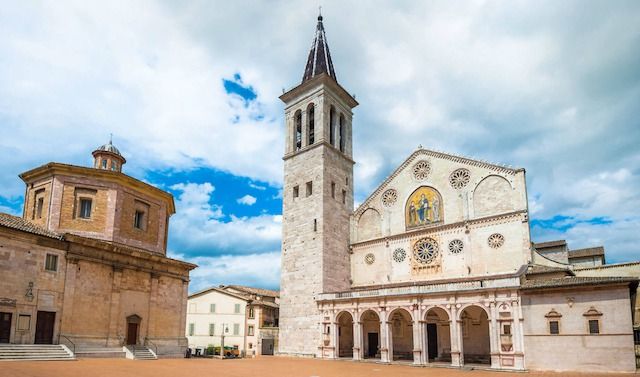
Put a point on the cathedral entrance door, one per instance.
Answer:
(132, 333)
(373, 344)
(44, 327)
(5, 327)
(432, 340)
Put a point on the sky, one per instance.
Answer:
(190, 90)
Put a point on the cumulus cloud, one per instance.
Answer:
(247, 200)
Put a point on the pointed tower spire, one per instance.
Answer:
(319, 60)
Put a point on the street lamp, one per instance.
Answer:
(225, 329)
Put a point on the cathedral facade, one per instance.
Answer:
(437, 265)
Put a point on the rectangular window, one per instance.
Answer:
(212, 328)
(506, 329)
(251, 313)
(85, 208)
(192, 329)
(24, 322)
(344, 197)
(212, 308)
(296, 191)
(250, 331)
(594, 326)
(315, 225)
(333, 190)
(309, 188)
(39, 207)
(51, 262)
(139, 220)
(236, 308)
(554, 327)
(236, 329)
(636, 337)
(104, 164)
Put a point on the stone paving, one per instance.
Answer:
(258, 367)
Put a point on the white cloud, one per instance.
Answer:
(247, 200)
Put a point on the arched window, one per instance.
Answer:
(342, 133)
(311, 124)
(332, 131)
(298, 130)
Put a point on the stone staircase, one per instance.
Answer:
(35, 352)
(140, 352)
(99, 352)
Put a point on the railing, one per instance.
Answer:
(148, 342)
(73, 345)
(424, 289)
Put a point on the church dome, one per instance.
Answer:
(108, 157)
(109, 148)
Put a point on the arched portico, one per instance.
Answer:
(400, 325)
(475, 335)
(346, 335)
(438, 335)
(370, 334)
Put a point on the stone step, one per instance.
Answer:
(34, 352)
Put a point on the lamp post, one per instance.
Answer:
(225, 329)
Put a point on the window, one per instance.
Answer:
(636, 337)
(298, 131)
(251, 313)
(594, 326)
(85, 208)
(344, 196)
(309, 188)
(104, 164)
(139, 221)
(24, 322)
(315, 225)
(250, 331)
(506, 329)
(554, 327)
(333, 190)
(236, 328)
(212, 308)
(341, 135)
(236, 308)
(250, 345)
(114, 165)
(296, 191)
(192, 329)
(310, 122)
(39, 206)
(51, 262)
(212, 328)
(332, 126)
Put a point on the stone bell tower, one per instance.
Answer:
(317, 198)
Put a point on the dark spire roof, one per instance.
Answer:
(319, 60)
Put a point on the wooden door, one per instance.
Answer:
(132, 333)
(44, 327)
(432, 340)
(267, 346)
(372, 337)
(5, 327)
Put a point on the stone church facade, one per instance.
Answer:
(86, 265)
(437, 265)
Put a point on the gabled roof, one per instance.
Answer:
(319, 60)
(427, 152)
(219, 290)
(18, 223)
(254, 291)
(542, 245)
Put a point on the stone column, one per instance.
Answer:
(116, 337)
(389, 331)
(153, 297)
(384, 337)
(357, 339)
(417, 338)
(457, 358)
(423, 341)
(494, 337)
(66, 325)
(335, 328)
(518, 339)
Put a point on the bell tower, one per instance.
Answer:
(317, 198)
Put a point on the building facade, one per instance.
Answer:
(436, 265)
(243, 318)
(86, 264)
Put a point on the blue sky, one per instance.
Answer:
(190, 92)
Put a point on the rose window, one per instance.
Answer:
(421, 170)
(369, 258)
(459, 178)
(399, 255)
(389, 197)
(496, 240)
(456, 246)
(425, 250)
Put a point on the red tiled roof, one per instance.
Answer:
(542, 245)
(18, 223)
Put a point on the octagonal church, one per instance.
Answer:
(437, 265)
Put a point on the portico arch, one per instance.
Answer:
(475, 335)
(345, 334)
(401, 335)
(438, 335)
(370, 334)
